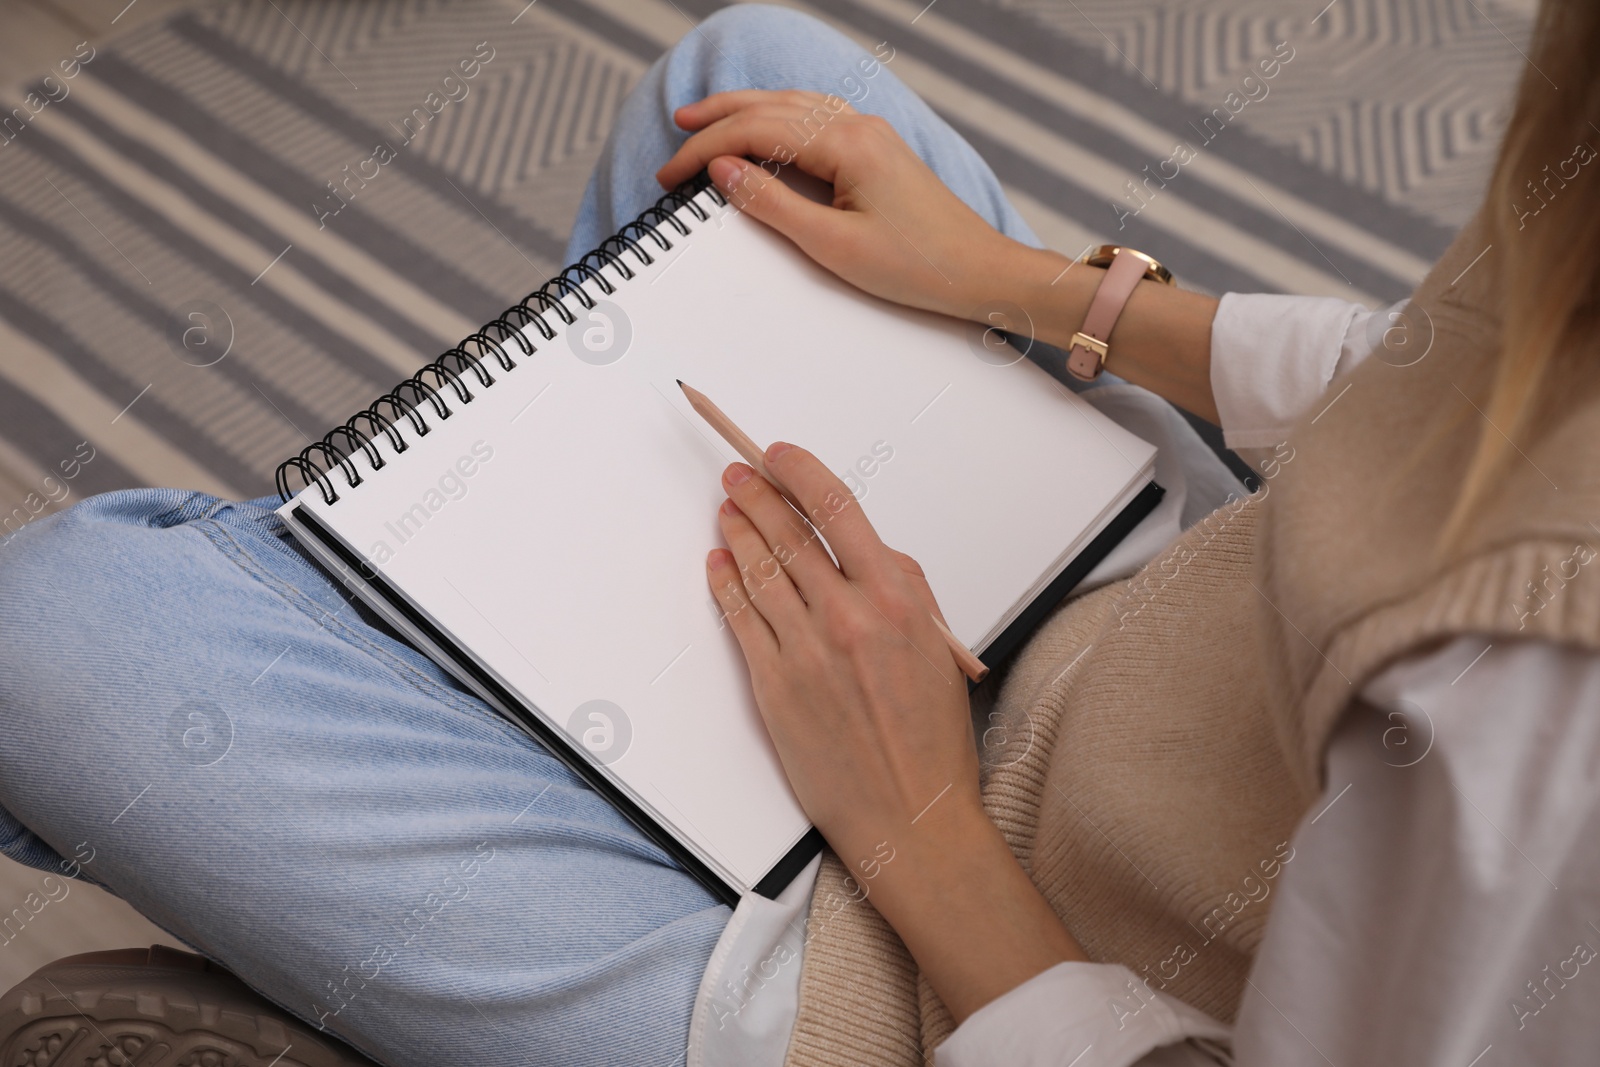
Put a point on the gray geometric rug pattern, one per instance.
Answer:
(1402, 100)
(206, 263)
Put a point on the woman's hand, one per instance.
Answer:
(869, 714)
(897, 232)
(894, 229)
(863, 699)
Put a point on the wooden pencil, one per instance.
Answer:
(752, 454)
(748, 450)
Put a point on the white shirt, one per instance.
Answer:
(1418, 920)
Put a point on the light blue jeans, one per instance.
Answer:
(199, 719)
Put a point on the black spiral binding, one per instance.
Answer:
(405, 402)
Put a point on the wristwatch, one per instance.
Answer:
(1125, 268)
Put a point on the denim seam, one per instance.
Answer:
(224, 541)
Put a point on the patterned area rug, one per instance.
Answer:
(183, 300)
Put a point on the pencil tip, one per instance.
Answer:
(679, 381)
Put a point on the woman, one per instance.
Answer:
(1356, 702)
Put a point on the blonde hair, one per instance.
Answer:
(1545, 229)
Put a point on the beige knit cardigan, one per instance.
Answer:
(1172, 760)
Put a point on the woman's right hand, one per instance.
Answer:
(893, 230)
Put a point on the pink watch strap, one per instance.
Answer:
(1122, 277)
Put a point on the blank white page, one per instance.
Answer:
(570, 562)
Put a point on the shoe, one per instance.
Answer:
(154, 1007)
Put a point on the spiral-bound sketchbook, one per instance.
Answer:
(533, 509)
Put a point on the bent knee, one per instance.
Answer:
(746, 29)
(81, 588)
(757, 46)
(108, 539)
(763, 21)
(104, 608)
(133, 509)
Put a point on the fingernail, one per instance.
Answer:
(730, 509)
(725, 172)
(776, 450)
(718, 557)
(737, 474)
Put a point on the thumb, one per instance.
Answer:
(751, 189)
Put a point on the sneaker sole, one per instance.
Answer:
(153, 1007)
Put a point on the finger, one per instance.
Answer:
(833, 510)
(756, 132)
(754, 635)
(795, 545)
(699, 114)
(813, 227)
(766, 584)
(765, 133)
(702, 113)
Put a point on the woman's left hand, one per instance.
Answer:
(869, 714)
(955, 262)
